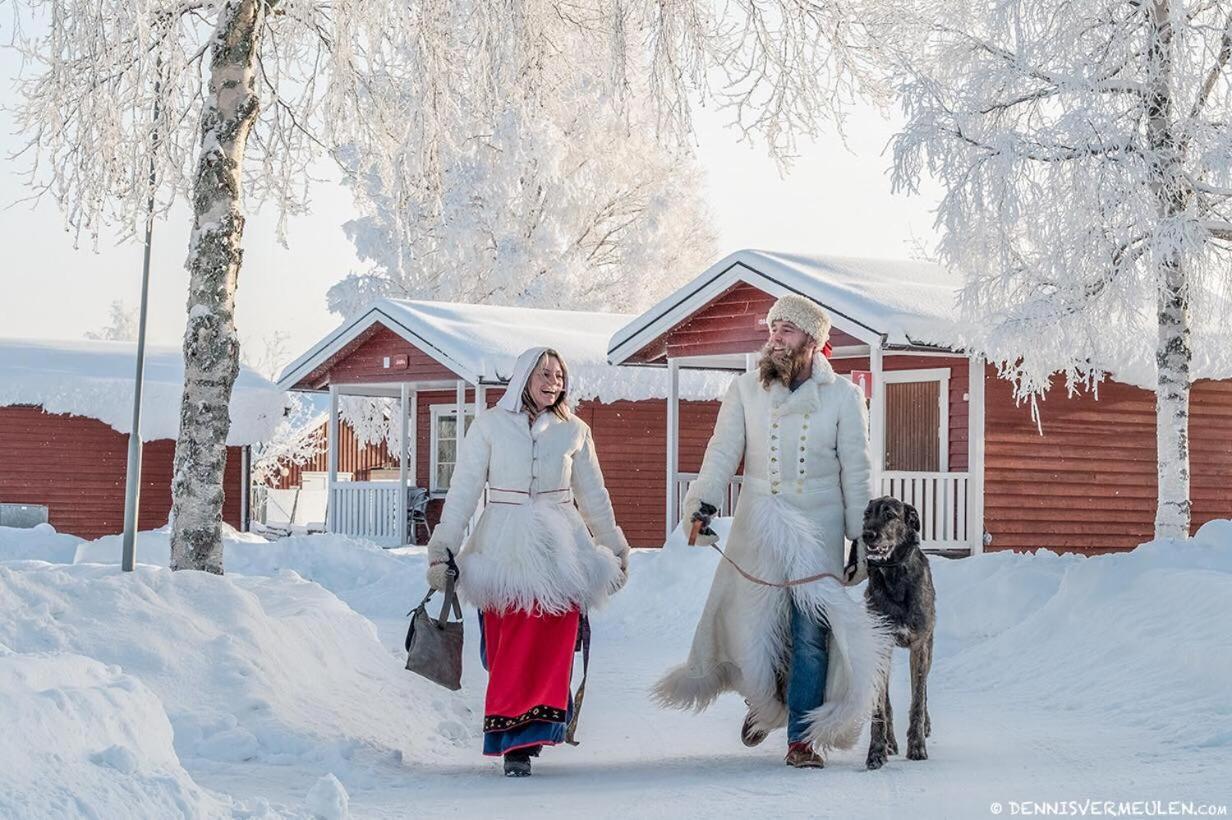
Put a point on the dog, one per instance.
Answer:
(900, 590)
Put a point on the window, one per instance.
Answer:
(445, 440)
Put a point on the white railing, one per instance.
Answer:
(942, 501)
(366, 509)
(685, 480)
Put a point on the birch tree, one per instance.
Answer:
(1087, 160)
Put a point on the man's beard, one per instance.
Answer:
(783, 366)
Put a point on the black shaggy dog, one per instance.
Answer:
(900, 589)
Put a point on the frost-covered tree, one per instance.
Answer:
(217, 101)
(569, 208)
(122, 326)
(226, 101)
(297, 440)
(1087, 160)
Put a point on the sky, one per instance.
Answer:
(835, 200)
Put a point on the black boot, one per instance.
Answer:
(517, 763)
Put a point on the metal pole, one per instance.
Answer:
(132, 478)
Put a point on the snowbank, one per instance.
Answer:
(273, 669)
(85, 739)
(40, 542)
(95, 379)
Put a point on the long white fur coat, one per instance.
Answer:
(533, 547)
(806, 483)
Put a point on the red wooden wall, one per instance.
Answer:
(75, 466)
(353, 457)
(1088, 484)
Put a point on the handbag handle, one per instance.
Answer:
(451, 595)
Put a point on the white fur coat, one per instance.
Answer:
(806, 483)
(531, 546)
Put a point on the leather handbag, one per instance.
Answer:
(434, 645)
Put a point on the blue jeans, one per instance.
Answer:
(806, 682)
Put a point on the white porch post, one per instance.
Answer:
(673, 442)
(414, 442)
(877, 410)
(481, 397)
(404, 414)
(975, 454)
(331, 444)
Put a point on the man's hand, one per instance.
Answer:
(705, 536)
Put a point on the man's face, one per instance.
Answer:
(787, 352)
(785, 337)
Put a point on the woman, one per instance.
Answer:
(531, 565)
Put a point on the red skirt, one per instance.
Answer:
(529, 658)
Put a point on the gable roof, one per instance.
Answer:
(887, 303)
(94, 379)
(480, 343)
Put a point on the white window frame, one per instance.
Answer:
(930, 374)
(437, 411)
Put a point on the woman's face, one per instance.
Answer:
(547, 381)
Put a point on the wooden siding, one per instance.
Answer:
(75, 466)
(1088, 484)
(363, 361)
(733, 322)
(353, 457)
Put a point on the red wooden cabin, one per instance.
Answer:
(65, 411)
(439, 361)
(945, 430)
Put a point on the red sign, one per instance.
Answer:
(864, 380)
(398, 362)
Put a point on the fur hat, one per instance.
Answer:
(802, 312)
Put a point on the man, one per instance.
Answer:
(807, 656)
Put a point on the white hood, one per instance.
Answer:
(512, 400)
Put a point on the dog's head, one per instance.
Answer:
(891, 527)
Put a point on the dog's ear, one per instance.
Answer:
(913, 517)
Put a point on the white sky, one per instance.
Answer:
(836, 200)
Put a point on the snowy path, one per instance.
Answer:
(636, 759)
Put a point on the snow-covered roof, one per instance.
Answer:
(94, 379)
(895, 303)
(481, 342)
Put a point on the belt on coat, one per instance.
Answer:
(497, 495)
(791, 485)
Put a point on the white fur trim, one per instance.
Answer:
(536, 555)
(860, 641)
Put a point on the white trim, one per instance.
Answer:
(929, 374)
(436, 411)
(414, 442)
(404, 411)
(975, 453)
(673, 442)
(331, 446)
(686, 301)
(876, 416)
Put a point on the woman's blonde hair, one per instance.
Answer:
(559, 407)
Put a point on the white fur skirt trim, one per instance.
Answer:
(536, 556)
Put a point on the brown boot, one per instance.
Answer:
(800, 755)
(750, 735)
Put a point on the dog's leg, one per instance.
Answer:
(921, 660)
(928, 721)
(891, 741)
(877, 733)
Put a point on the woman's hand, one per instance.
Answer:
(440, 568)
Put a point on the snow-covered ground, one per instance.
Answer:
(277, 691)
